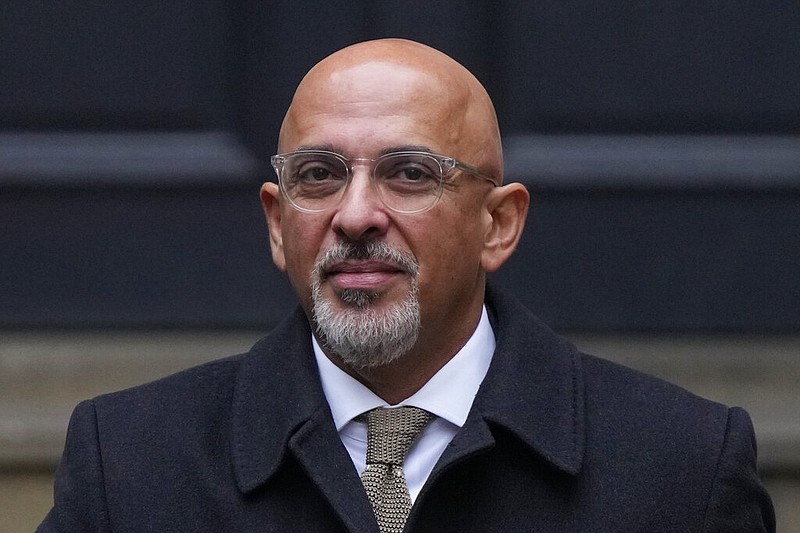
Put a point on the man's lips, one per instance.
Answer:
(361, 274)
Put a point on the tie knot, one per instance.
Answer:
(391, 432)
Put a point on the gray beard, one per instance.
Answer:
(360, 335)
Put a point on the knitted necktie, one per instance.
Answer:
(390, 434)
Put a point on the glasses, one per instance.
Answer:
(406, 182)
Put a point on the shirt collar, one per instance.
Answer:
(448, 394)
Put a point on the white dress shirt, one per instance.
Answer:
(448, 395)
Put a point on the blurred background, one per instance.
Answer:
(660, 140)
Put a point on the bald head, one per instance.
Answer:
(424, 286)
(446, 109)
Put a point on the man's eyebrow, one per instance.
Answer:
(406, 148)
(322, 147)
(389, 150)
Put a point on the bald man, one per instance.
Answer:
(388, 211)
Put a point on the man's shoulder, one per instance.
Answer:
(606, 378)
(616, 401)
(194, 390)
(602, 380)
(637, 411)
(213, 382)
(630, 390)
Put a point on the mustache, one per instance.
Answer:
(369, 251)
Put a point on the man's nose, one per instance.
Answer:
(360, 212)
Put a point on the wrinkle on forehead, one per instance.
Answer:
(401, 78)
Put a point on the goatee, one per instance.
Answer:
(361, 335)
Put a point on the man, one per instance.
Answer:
(388, 214)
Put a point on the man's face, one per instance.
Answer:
(431, 260)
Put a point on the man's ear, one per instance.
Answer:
(508, 208)
(271, 202)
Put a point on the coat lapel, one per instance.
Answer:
(320, 451)
(278, 409)
(277, 391)
(534, 389)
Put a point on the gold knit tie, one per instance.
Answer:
(390, 434)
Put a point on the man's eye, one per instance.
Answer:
(316, 171)
(311, 174)
(408, 179)
(412, 174)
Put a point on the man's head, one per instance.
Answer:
(384, 267)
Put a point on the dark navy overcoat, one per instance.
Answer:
(556, 441)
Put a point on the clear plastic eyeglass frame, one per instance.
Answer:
(444, 166)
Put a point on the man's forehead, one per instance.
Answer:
(417, 92)
(365, 97)
(378, 82)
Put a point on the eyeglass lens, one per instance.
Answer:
(405, 182)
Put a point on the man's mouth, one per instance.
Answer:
(366, 274)
(371, 266)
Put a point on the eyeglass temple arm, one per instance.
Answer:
(469, 169)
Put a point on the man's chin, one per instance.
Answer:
(366, 329)
(356, 298)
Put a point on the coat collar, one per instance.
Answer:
(534, 390)
(277, 392)
(279, 410)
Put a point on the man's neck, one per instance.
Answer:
(396, 381)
